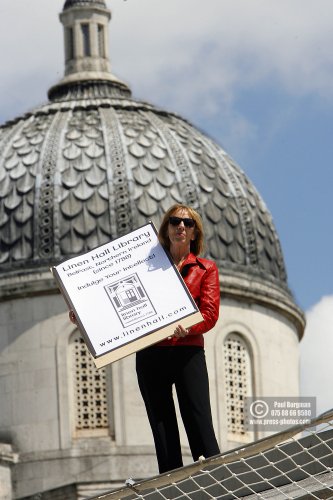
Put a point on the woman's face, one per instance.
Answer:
(181, 234)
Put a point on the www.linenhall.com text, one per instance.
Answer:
(155, 321)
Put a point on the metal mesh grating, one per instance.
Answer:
(297, 463)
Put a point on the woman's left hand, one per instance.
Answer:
(72, 317)
(180, 332)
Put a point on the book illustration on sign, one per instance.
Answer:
(130, 300)
(115, 293)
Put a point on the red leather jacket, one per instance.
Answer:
(201, 277)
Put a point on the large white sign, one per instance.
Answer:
(126, 295)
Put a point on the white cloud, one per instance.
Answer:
(245, 41)
(192, 57)
(188, 49)
(316, 354)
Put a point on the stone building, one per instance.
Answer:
(90, 165)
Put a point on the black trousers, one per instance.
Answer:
(158, 368)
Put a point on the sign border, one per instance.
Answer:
(145, 340)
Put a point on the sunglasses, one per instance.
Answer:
(175, 221)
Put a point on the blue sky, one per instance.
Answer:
(254, 75)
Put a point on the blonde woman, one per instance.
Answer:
(180, 360)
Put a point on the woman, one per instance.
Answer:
(180, 360)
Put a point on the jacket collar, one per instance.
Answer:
(192, 260)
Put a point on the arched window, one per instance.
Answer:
(238, 381)
(89, 393)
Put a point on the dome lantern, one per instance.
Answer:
(87, 60)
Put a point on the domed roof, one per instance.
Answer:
(94, 163)
(74, 3)
(78, 173)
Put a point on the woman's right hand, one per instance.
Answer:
(180, 332)
(72, 317)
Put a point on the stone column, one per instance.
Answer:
(7, 459)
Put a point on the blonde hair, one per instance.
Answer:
(197, 245)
